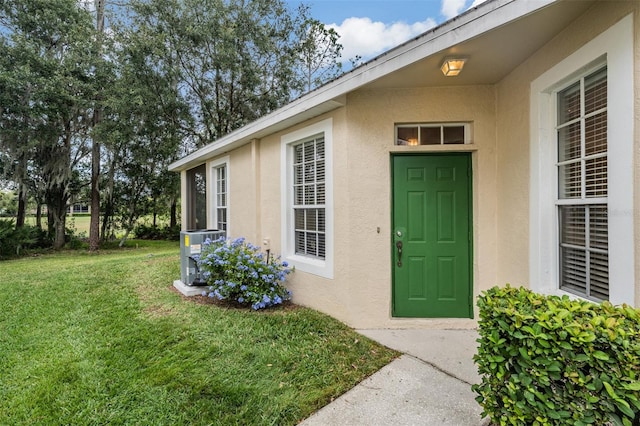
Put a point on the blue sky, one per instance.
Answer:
(369, 27)
(336, 11)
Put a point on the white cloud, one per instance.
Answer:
(362, 36)
(366, 38)
(452, 8)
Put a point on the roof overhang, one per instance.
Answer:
(486, 34)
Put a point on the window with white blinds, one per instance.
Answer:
(221, 197)
(583, 186)
(309, 197)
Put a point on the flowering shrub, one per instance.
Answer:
(238, 271)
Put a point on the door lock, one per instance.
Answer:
(399, 247)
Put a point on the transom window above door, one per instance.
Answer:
(432, 134)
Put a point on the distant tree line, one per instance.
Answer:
(98, 97)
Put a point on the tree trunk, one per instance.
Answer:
(22, 206)
(57, 198)
(107, 214)
(50, 228)
(94, 223)
(108, 203)
(39, 215)
(124, 238)
(59, 218)
(129, 225)
(60, 238)
(173, 221)
(155, 212)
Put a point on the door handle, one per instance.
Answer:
(399, 247)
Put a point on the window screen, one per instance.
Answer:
(197, 198)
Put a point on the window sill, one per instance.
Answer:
(310, 265)
(572, 296)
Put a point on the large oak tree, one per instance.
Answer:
(83, 104)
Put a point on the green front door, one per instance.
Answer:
(432, 236)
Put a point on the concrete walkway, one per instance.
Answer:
(429, 385)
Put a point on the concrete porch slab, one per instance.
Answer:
(450, 351)
(188, 290)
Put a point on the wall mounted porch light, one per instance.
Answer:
(452, 66)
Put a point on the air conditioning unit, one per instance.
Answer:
(190, 248)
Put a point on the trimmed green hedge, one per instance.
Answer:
(546, 360)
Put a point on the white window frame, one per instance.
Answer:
(580, 197)
(320, 267)
(213, 192)
(614, 47)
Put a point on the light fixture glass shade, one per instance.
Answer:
(452, 66)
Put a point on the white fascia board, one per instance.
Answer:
(485, 17)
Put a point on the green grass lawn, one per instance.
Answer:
(104, 339)
(79, 223)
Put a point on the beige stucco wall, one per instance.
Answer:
(372, 115)
(243, 209)
(513, 136)
(311, 290)
(363, 142)
(360, 294)
(636, 159)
